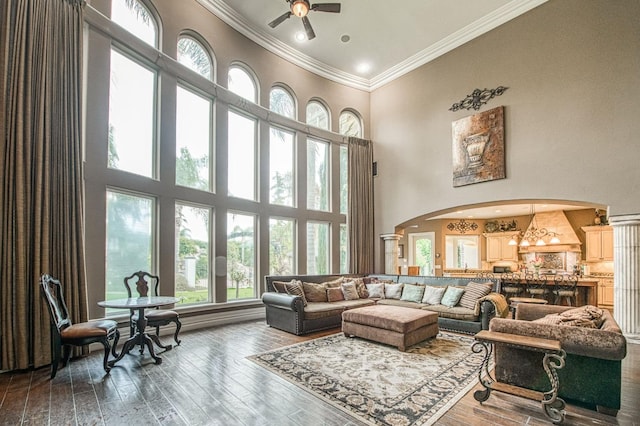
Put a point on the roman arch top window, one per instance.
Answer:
(241, 83)
(192, 55)
(135, 18)
(281, 101)
(317, 115)
(350, 124)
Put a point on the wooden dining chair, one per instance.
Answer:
(64, 334)
(143, 282)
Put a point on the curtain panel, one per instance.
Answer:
(360, 216)
(41, 217)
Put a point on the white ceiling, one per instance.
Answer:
(509, 210)
(388, 38)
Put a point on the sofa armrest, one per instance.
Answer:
(283, 301)
(581, 341)
(487, 313)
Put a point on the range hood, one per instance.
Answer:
(554, 222)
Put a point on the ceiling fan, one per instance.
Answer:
(301, 8)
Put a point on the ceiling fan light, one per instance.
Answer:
(300, 8)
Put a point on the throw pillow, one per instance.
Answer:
(315, 292)
(279, 286)
(334, 294)
(335, 283)
(295, 288)
(376, 290)
(433, 295)
(412, 293)
(472, 292)
(451, 296)
(349, 290)
(393, 291)
(361, 287)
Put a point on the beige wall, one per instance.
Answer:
(571, 114)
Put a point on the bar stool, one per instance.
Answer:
(565, 287)
(511, 285)
(537, 286)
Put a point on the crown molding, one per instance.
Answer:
(487, 23)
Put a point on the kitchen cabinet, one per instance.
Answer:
(498, 247)
(605, 293)
(599, 243)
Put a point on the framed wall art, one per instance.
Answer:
(478, 147)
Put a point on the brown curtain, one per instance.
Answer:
(41, 222)
(360, 216)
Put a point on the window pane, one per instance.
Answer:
(192, 254)
(131, 116)
(350, 124)
(344, 249)
(281, 247)
(317, 115)
(242, 156)
(241, 271)
(193, 140)
(462, 251)
(192, 55)
(135, 18)
(280, 101)
(129, 240)
(317, 248)
(281, 167)
(344, 183)
(242, 84)
(317, 175)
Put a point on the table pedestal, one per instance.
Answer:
(141, 338)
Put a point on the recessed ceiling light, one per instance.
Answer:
(459, 212)
(498, 211)
(363, 67)
(300, 36)
(470, 217)
(345, 38)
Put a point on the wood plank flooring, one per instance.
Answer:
(208, 381)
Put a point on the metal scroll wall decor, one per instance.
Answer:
(462, 226)
(477, 98)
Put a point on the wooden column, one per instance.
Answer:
(626, 277)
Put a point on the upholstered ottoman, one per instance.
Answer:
(393, 325)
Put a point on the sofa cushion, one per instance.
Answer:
(412, 293)
(315, 292)
(456, 312)
(472, 292)
(295, 288)
(376, 290)
(392, 291)
(350, 304)
(451, 296)
(281, 286)
(318, 310)
(433, 295)
(396, 302)
(334, 294)
(334, 283)
(349, 290)
(361, 287)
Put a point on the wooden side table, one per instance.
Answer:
(554, 359)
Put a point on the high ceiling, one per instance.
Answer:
(370, 42)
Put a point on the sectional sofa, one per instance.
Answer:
(290, 311)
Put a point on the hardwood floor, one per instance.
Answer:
(208, 381)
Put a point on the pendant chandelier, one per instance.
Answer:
(534, 235)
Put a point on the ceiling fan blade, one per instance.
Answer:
(280, 19)
(308, 29)
(326, 7)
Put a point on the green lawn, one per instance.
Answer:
(194, 296)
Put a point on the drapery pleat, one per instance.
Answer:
(41, 222)
(360, 216)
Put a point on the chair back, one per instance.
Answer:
(143, 281)
(52, 291)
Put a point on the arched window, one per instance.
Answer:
(194, 56)
(242, 84)
(281, 102)
(136, 18)
(350, 124)
(317, 115)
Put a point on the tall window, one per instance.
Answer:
(241, 256)
(192, 254)
(192, 55)
(243, 135)
(318, 248)
(282, 247)
(131, 116)
(350, 124)
(317, 175)
(135, 18)
(317, 115)
(281, 167)
(344, 249)
(129, 239)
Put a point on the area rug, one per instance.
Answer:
(377, 383)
